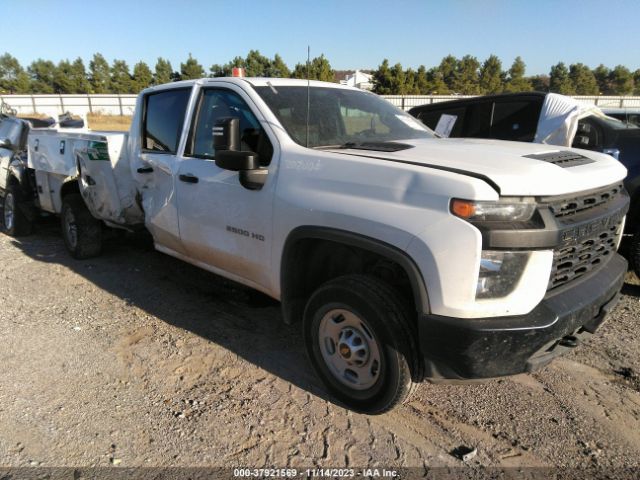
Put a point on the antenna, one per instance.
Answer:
(308, 89)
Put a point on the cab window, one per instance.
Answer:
(515, 120)
(478, 124)
(163, 119)
(215, 104)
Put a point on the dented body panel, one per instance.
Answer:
(97, 161)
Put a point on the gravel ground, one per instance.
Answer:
(136, 359)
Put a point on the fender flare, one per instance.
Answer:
(418, 286)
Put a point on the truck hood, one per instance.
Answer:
(506, 165)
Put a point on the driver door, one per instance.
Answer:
(222, 224)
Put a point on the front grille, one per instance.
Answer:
(569, 206)
(585, 245)
(581, 257)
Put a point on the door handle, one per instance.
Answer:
(188, 178)
(145, 170)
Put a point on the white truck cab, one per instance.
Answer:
(405, 256)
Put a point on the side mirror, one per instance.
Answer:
(226, 134)
(237, 161)
(6, 143)
(226, 141)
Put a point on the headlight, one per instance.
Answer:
(500, 272)
(516, 210)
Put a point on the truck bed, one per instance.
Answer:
(99, 162)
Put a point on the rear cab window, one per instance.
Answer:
(163, 119)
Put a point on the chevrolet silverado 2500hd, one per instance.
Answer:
(404, 256)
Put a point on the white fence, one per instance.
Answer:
(110, 104)
(114, 104)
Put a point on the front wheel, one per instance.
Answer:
(81, 231)
(360, 342)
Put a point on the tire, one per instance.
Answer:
(635, 253)
(361, 343)
(15, 222)
(81, 231)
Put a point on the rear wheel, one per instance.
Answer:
(81, 231)
(359, 339)
(14, 220)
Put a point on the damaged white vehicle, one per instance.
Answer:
(551, 119)
(404, 256)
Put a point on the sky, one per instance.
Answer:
(351, 34)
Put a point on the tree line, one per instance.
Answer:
(466, 75)
(469, 76)
(73, 77)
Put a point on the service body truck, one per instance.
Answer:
(403, 255)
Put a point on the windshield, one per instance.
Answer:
(339, 117)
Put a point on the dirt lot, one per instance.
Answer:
(137, 359)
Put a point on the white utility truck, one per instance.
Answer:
(404, 256)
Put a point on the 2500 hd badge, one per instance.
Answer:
(245, 233)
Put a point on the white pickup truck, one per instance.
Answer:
(404, 256)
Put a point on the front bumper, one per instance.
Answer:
(465, 349)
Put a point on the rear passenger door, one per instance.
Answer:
(162, 124)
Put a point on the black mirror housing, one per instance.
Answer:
(226, 134)
(6, 143)
(237, 161)
(226, 142)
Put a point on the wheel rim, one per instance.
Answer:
(9, 207)
(349, 349)
(70, 228)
